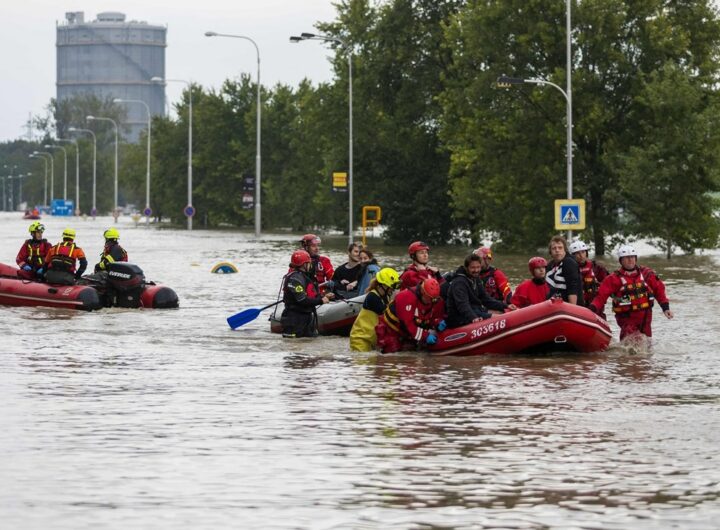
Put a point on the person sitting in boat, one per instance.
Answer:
(494, 280)
(534, 290)
(61, 259)
(112, 251)
(563, 272)
(370, 269)
(31, 257)
(382, 287)
(347, 275)
(467, 300)
(419, 269)
(301, 295)
(412, 318)
(322, 267)
(592, 273)
(633, 289)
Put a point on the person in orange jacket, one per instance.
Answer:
(322, 266)
(419, 269)
(633, 289)
(61, 258)
(534, 290)
(494, 280)
(31, 256)
(411, 319)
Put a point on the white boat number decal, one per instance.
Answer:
(67, 291)
(488, 328)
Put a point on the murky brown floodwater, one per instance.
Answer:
(168, 419)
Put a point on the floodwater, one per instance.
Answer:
(127, 418)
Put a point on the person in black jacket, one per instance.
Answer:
(301, 295)
(563, 273)
(467, 300)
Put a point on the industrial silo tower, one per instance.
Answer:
(110, 57)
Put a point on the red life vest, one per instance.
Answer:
(633, 295)
(422, 315)
(36, 251)
(589, 281)
(63, 259)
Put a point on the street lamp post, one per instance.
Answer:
(346, 46)
(37, 155)
(98, 118)
(4, 205)
(49, 146)
(148, 211)
(20, 177)
(258, 132)
(5, 179)
(190, 140)
(93, 212)
(77, 170)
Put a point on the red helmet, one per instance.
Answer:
(415, 246)
(536, 262)
(299, 258)
(483, 252)
(309, 239)
(430, 287)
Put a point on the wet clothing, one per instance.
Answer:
(632, 293)
(592, 275)
(362, 335)
(33, 252)
(468, 300)
(301, 296)
(496, 284)
(323, 269)
(563, 277)
(531, 292)
(407, 321)
(60, 263)
(349, 274)
(413, 276)
(112, 252)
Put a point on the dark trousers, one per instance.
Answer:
(297, 324)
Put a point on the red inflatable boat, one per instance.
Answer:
(551, 326)
(123, 285)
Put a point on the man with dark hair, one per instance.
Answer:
(563, 272)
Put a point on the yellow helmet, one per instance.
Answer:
(388, 277)
(37, 226)
(111, 233)
(68, 233)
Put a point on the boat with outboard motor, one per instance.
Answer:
(551, 326)
(334, 318)
(122, 285)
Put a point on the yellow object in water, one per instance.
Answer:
(224, 267)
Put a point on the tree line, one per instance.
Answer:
(445, 152)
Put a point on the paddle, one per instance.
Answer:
(247, 315)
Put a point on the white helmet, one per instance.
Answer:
(577, 246)
(626, 250)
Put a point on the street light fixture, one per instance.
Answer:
(99, 118)
(190, 141)
(346, 47)
(77, 170)
(93, 212)
(5, 179)
(50, 146)
(37, 155)
(258, 138)
(147, 211)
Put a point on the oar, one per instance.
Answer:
(247, 315)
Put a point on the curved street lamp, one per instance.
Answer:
(346, 47)
(37, 155)
(147, 211)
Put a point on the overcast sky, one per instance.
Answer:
(27, 45)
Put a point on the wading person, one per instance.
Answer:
(382, 287)
(301, 296)
(592, 273)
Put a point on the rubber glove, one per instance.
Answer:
(27, 267)
(432, 339)
(329, 285)
(40, 271)
(442, 325)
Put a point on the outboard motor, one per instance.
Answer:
(126, 282)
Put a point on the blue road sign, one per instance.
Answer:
(189, 210)
(570, 214)
(147, 212)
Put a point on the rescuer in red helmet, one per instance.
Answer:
(534, 290)
(301, 296)
(321, 266)
(419, 269)
(411, 319)
(494, 280)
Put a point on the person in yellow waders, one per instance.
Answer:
(362, 335)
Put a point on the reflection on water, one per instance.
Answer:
(139, 419)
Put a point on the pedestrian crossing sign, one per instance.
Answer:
(570, 214)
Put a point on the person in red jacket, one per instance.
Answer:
(419, 269)
(322, 266)
(592, 273)
(633, 289)
(534, 290)
(411, 319)
(31, 257)
(494, 280)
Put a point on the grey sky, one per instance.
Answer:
(27, 44)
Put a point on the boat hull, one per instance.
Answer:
(553, 325)
(335, 318)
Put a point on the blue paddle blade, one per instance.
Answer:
(243, 317)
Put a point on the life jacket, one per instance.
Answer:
(63, 258)
(106, 257)
(35, 257)
(633, 295)
(422, 316)
(589, 281)
(362, 334)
